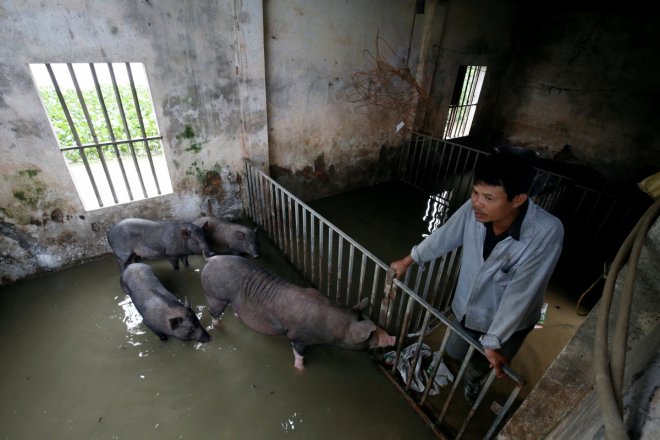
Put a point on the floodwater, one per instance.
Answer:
(77, 363)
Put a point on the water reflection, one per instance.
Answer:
(132, 319)
(437, 211)
(290, 423)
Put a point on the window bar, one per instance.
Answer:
(65, 109)
(468, 104)
(99, 150)
(120, 106)
(113, 140)
(436, 367)
(141, 122)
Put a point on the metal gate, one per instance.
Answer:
(412, 309)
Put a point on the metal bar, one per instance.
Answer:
(503, 412)
(340, 268)
(312, 217)
(363, 267)
(435, 369)
(297, 208)
(349, 276)
(74, 132)
(108, 123)
(114, 142)
(457, 381)
(92, 132)
(330, 271)
(374, 288)
(476, 404)
(305, 259)
(284, 225)
(136, 101)
(321, 250)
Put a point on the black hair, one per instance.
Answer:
(513, 172)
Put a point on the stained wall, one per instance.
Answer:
(210, 108)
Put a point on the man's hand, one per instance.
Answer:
(496, 361)
(401, 266)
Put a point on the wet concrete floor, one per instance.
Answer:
(77, 363)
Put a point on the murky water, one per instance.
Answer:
(78, 364)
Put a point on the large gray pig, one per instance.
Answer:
(161, 311)
(271, 305)
(226, 237)
(133, 237)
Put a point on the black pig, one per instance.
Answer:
(133, 237)
(271, 305)
(161, 311)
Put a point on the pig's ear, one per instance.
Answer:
(186, 303)
(361, 305)
(240, 235)
(361, 330)
(175, 322)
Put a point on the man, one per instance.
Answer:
(510, 249)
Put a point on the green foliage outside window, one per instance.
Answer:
(65, 136)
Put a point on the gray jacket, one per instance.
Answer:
(504, 293)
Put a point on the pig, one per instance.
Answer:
(268, 304)
(161, 311)
(135, 237)
(226, 237)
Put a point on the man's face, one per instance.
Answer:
(491, 204)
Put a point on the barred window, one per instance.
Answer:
(103, 118)
(464, 101)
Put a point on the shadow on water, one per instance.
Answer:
(77, 363)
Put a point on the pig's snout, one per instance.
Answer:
(381, 338)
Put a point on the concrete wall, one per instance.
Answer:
(322, 142)
(474, 33)
(196, 56)
(584, 78)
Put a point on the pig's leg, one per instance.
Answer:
(175, 262)
(216, 308)
(298, 355)
(185, 260)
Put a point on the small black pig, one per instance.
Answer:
(271, 305)
(161, 311)
(133, 237)
(226, 237)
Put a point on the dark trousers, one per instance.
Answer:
(478, 366)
